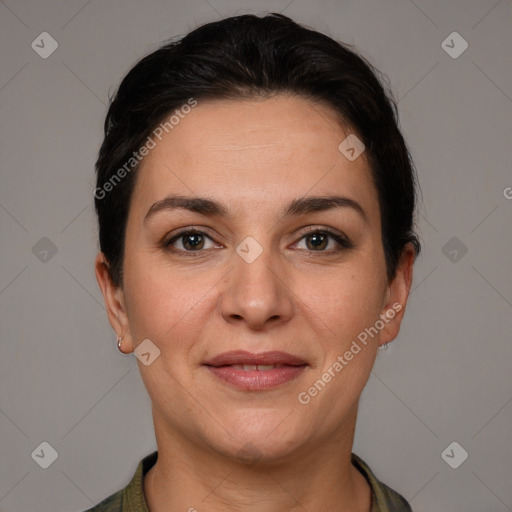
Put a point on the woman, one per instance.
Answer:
(255, 200)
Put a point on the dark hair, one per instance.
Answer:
(246, 57)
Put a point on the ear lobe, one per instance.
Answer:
(113, 296)
(397, 294)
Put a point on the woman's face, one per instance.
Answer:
(263, 275)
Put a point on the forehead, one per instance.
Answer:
(256, 151)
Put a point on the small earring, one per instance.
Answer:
(119, 343)
(384, 346)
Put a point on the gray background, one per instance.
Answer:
(446, 378)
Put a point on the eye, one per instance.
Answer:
(190, 241)
(323, 240)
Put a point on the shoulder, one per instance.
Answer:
(131, 498)
(384, 499)
(111, 504)
(394, 501)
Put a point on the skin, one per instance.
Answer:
(254, 157)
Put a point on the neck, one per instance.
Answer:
(190, 477)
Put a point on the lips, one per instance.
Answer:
(242, 357)
(256, 372)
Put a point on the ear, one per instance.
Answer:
(397, 293)
(113, 296)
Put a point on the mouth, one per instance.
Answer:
(254, 372)
(258, 367)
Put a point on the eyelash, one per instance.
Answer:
(342, 241)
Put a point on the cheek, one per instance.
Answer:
(344, 306)
(346, 301)
(167, 306)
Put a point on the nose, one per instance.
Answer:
(257, 293)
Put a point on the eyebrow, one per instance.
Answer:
(210, 207)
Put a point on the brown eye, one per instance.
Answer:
(190, 241)
(324, 241)
(317, 241)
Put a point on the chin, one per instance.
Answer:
(260, 436)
